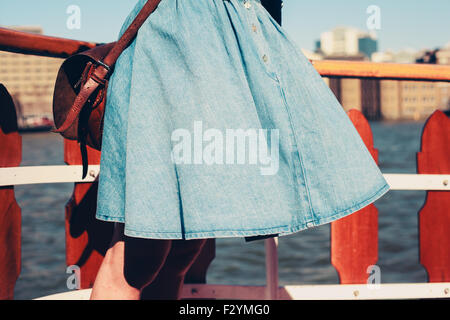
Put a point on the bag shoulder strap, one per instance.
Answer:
(103, 69)
(128, 36)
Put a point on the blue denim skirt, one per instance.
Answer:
(217, 125)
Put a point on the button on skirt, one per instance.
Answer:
(217, 125)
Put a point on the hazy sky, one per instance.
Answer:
(413, 24)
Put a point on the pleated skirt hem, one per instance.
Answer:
(280, 230)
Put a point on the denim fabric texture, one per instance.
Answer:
(229, 65)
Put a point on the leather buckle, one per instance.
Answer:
(104, 65)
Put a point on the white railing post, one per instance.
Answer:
(271, 246)
(72, 174)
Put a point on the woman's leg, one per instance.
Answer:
(129, 265)
(170, 279)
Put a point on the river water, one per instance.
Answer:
(304, 258)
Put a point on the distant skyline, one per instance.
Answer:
(404, 23)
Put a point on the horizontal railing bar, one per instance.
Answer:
(46, 175)
(382, 71)
(299, 292)
(72, 174)
(402, 181)
(321, 292)
(40, 45)
(26, 43)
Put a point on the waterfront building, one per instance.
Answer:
(29, 79)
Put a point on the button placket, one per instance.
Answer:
(262, 48)
(260, 41)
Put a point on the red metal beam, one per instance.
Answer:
(372, 70)
(35, 44)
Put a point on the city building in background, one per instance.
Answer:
(409, 99)
(414, 100)
(312, 55)
(383, 99)
(347, 41)
(403, 56)
(443, 55)
(30, 81)
(368, 44)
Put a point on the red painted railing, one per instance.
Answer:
(354, 239)
(10, 214)
(434, 216)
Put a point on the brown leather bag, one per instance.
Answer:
(80, 91)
